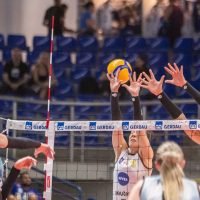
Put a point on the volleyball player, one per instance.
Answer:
(171, 183)
(156, 88)
(179, 80)
(27, 162)
(133, 160)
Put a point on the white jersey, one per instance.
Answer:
(128, 170)
(153, 183)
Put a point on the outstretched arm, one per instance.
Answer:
(145, 149)
(178, 80)
(23, 163)
(155, 87)
(25, 143)
(118, 140)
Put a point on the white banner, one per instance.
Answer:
(60, 126)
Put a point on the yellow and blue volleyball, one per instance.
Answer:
(124, 67)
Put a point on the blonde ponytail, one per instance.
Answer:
(169, 156)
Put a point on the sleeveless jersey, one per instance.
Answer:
(153, 183)
(127, 171)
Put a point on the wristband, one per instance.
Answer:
(114, 94)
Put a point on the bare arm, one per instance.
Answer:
(135, 191)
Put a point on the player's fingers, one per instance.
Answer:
(176, 67)
(169, 71)
(146, 76)
(151, 74)
(171, 67)
(169, 81)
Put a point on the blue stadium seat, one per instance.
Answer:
(169, 90)
(62, 59)
(91, 141)
(190, 110)
(157, 44)
(66, 44)
(6, 55)
(59, 72)
(157, 61)
(62, 140)
(183, 45)
(135, 44)
(5, 107)
(41, 43)
(86, 59)
(103, 116)
(18, 41)
(63, 90)
(196, 46)
(78, 74)
(33, 57)
(178, 137)
(180, 93)
(87, 43)
(1, 70)
(185, 60)
(196, 61)
(2, 41)
(104, 58)
(85, 109)
(130, 57)
(113, 44)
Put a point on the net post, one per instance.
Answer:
(48, 166)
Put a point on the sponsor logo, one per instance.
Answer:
(125, 126)
(158, 125)
(121, 193)
(193, 124)
(39, 127)
(123, 178)
(92, 125)
(138, 126)
(60, 126)
(172, 126)
(73, 127)
(105, 127)
(28, 125)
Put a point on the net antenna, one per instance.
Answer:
(49, 133)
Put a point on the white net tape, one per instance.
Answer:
(168, 125)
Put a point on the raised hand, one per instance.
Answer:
(46, 150)
(114, 82)
(134, 87)
(151, 84)
(178, 78)
(25, 163)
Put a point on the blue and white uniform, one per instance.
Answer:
(127, 171)
(153, 183)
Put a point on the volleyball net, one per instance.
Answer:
(85, 169)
